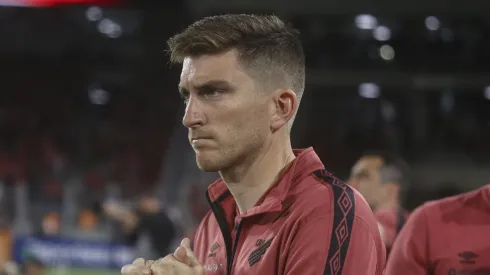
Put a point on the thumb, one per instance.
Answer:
(186, 243)
(181, 255)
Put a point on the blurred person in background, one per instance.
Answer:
(275, 210)
(445, 237)
(149, 219)
(50, 225)
(382, 179)
(10, 268)
(87, 220)
(33, 266)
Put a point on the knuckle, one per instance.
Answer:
(168, 259)
(130, 269)
(124, 269)
(139, 262)
(157, 262)
(161, 269)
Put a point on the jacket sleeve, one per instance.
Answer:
(409, 255)
(315, 250)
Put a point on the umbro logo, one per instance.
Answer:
(213, 249)
(467, 257)
(257, 254)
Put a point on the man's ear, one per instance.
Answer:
(283, 107)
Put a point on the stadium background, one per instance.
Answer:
(89, 110)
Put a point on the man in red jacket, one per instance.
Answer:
(383, 179)
(274, 210)
(445, 237)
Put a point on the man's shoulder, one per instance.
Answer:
(312, 193)
(322, 192)
(326, 196)
(452, 207)
(345, 201)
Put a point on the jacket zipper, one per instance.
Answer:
(235, 246)
(225, 231)
(223, 226)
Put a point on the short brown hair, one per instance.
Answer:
(266, 44)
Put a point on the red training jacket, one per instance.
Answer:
(445, 237)
(308, 223)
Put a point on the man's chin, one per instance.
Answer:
(207, 165)
(207, 168)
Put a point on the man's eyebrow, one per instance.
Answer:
(214, 83)
(222, 84)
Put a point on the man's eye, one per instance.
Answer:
(212, 93)
(361, 175)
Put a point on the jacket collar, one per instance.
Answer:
(305, 163)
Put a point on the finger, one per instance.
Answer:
(163, 269)
(181, 255)
(186, 243)
(164, 260)
(149, 263)
(169, 259)
(139, 262)
(139, 267)
(131, 269)
(169, 265)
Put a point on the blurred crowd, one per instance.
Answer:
(56, 183)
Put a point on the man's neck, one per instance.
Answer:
(391, 204)
(248, 181)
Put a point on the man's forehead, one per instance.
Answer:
(196, 70)
(367, 163)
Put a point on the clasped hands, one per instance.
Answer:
(182, 262)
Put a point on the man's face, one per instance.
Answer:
(366, 178)
(226, 114)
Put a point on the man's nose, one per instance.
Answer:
(193, 115)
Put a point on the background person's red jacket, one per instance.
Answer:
(391, 221)
(309, 223)
(445, 237)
